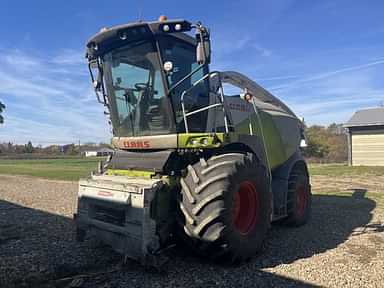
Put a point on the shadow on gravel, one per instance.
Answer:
(37, 248)
(334, 219)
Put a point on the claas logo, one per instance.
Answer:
(136, 144)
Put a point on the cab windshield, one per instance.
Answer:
(135, 88)
(136, 94)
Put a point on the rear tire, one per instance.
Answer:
(299, 196)
(224, 206)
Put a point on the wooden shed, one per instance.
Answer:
(366, 137)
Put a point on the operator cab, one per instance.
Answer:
(151, 76)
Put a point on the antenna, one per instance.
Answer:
(140, 10)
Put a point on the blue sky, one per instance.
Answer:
(325, 59)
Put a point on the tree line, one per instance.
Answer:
(11, 149)
(326, 144)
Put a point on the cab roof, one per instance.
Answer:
(110, 38)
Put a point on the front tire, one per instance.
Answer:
(224, 206)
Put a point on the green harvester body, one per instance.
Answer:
(174, 122)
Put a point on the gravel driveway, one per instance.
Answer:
(342, 246)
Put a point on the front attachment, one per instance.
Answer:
(117, 211)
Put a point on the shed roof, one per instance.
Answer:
(367, 117)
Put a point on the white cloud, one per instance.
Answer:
(334, 96)
(276, 78)
(223, 47)
(69, 57)
(305, 80)
(51, 101)
(262, 51)
(19, 60)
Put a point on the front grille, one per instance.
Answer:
(109, 215)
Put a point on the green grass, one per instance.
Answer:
(368, 172)
(344, 170)
(74, 168)
(62, 169)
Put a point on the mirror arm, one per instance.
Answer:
(90, 72)
(93, 81)
(100, 84)
(102, 81)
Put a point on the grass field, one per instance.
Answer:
(344, 170)
(347, 181)
(61, 169)
(72, 169)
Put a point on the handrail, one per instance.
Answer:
(203, 109)
(221, 99)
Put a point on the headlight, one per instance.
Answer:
(165, 28)
(204, 141)
(194, 142)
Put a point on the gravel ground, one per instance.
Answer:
(342, 246)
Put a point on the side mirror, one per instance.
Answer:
(95, 71)
(203, 48)
(203, 52)
(97, 82)
(200, 57)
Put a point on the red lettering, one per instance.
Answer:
(105, 193)
(136, 144)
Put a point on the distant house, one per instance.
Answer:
(98, 152)
(366, 137)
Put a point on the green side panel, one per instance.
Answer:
(274, 144)
(201, 140)
(130, 173)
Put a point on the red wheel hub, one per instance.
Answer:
(301, 200)
(245, 208)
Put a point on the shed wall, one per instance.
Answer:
(368, 148)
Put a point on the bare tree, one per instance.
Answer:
(2, 107)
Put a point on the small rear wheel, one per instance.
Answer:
(299, 196)
(224, 206)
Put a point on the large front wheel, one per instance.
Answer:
(225, 206)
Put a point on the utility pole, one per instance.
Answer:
(79, 149)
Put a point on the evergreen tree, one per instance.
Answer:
(28, 147)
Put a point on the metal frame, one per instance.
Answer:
(221, 98)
